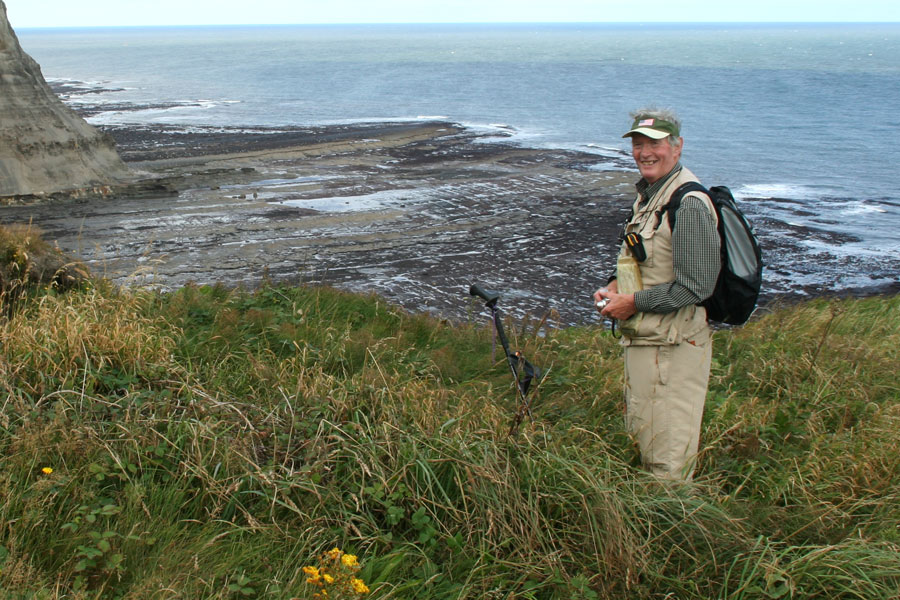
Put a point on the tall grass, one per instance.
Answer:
(209, 443)
(27, 261)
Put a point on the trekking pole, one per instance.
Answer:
(515, 360)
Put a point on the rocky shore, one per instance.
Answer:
(412, 211)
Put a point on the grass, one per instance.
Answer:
(210, 443)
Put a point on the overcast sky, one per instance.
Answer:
(86, 13)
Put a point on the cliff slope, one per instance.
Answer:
(45, 148)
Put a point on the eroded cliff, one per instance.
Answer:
(46, 149)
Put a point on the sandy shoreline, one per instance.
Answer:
(412, 211)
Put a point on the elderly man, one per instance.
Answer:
(661, 277)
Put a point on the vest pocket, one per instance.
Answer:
(649, 239)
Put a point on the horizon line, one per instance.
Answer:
(395, 23)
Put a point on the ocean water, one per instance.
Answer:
(802, 112)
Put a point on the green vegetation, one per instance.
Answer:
(211, 443)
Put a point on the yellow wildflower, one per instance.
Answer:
(314, 575)
(336, 573)
(359, 586)
(47, 470)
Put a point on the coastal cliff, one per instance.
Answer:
(46, 149)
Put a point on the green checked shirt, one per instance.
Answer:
(695, 249)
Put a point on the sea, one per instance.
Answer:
(786, 115)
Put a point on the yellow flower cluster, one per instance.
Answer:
(317, 576)
(359, 586)
(336, 576)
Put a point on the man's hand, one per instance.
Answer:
(619, 306)
(600, 300)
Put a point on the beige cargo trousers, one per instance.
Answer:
(665, 390)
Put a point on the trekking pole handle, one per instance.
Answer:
(488, 296)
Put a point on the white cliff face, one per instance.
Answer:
(45, 147)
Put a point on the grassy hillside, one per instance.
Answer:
(210, 443)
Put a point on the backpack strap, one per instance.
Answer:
(675, 201)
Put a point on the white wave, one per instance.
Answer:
(66, 81)
(539, 139)
(503, 131)
(792, 191)
(181, 110)
(855, 208)
(604, 150)
(95, 100)
(884, 250)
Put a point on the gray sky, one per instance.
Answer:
(80, 13)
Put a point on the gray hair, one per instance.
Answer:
(665, 114)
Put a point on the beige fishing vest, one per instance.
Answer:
(656, 329)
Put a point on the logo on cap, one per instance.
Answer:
(646, 123)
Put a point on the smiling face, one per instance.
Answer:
(654, 158)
